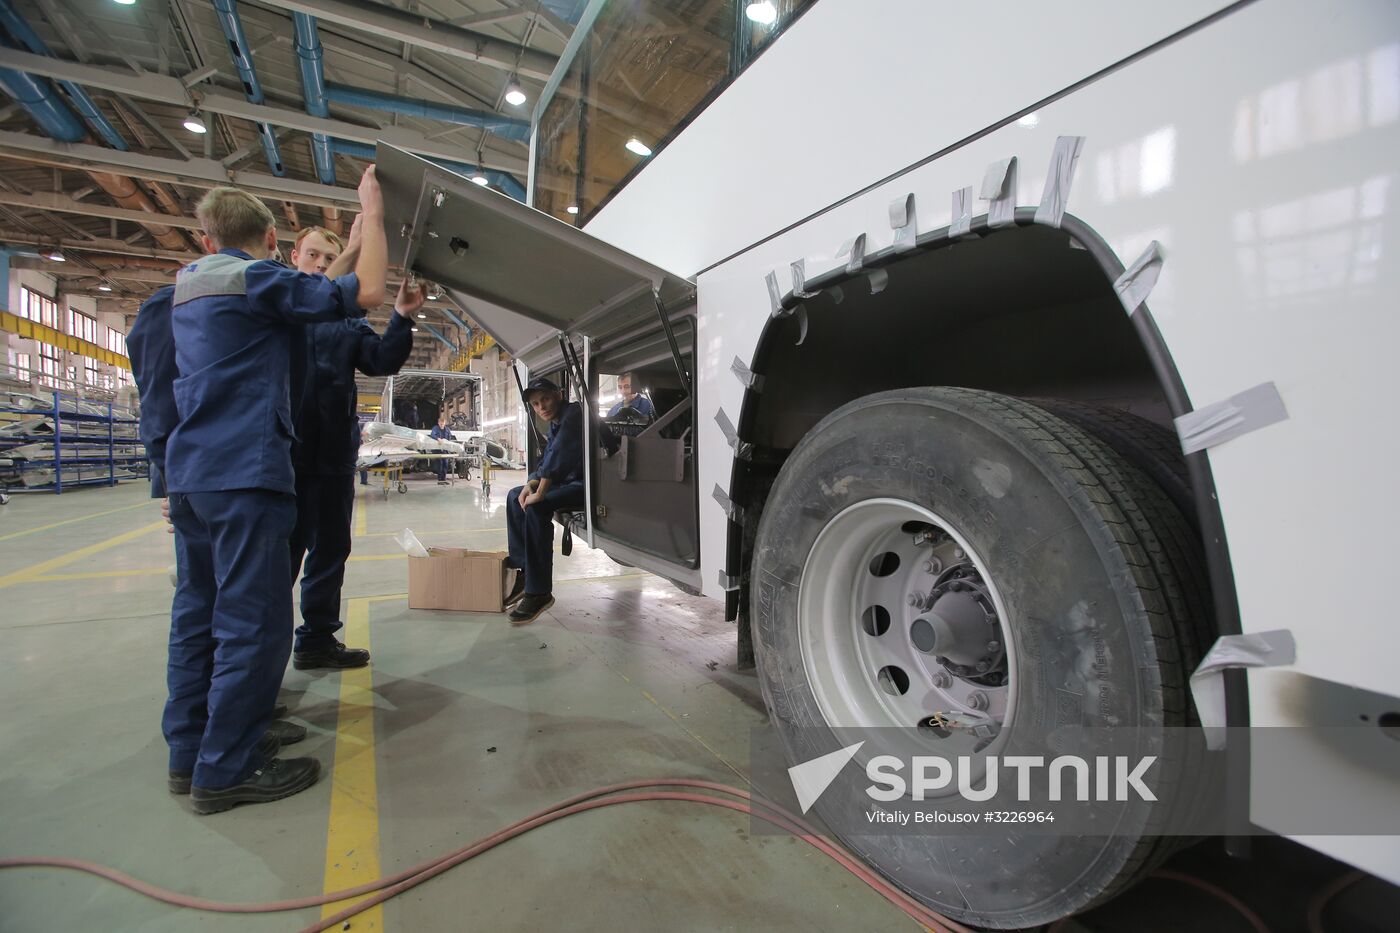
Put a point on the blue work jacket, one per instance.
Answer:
(328, 431)
(151, 350)
(234, 323)
(562, 461)
(641, 403)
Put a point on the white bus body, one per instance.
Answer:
(1257, 143)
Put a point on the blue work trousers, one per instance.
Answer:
(230, 629)
(320, 546)
(531, 534)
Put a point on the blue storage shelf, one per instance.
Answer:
(85, 441)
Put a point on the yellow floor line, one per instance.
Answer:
(29, 573)
(69, 521)
(352, 832)
(361, 520)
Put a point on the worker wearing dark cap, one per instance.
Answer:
(557, 483)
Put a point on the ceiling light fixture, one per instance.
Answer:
(56, 256)
(480, 179)
(414, 329)
(515, 94)
(194, 124)
(126, 2)
(104, 287)
(1030, 119)
(571, 209)
(763, 12)
(422, 316)
(640, 148)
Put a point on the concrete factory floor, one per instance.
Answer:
(461, 725)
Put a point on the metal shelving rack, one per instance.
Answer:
(76, 440)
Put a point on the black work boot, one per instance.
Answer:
(278, 778)
(517, 590)
(337, 657)
(529, 608)
(286, 733)
(179, 781)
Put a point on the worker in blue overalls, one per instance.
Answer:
(151, 349)
(441, 432)
(328, 441)
(228, 474)
(557, 483)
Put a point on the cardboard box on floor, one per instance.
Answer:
(457, 579)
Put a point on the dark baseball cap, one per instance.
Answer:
(539, 384)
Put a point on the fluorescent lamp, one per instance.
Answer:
(126, 2)
(422, 316)
(104, 287)
(194, 124)
(571, 209)
(480, 179)
(1030, 119)
(763, 12)
(640, 148)
(515, 94)
(56, 256)
(414, 329)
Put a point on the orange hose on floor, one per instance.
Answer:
(392, 885)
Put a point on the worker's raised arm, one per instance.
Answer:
(345, 262)
(371, 266)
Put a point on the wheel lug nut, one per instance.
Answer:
(978, 701)
(983, 665)
(942, 680)
(993, 646)
(959, 553)
(916, 600)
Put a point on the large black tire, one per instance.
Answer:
(1145, 444)
(1076, 539)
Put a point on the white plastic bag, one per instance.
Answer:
(410, 543)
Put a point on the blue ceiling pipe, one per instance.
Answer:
(503, 180)
(232, 25)
(313, 87)
(19, 29)
(42, 103)
(438, 334)
(508, 127)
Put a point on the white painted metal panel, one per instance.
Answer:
(853, 92)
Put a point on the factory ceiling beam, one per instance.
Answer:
(95, 245)
(48, 201)
(436, 35)
(167, 90)
(148, 276)
(196, 173)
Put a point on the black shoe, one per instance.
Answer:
(517, 590)
(286, 733)
(529, 608)
(279, 711)
(179, 781)
(336, 657)
(278, 778)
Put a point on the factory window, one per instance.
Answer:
(116, 341)
(90, 376)
(50, 364)
(37, 308)
(82, 326)
(643, 71)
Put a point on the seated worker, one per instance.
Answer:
(556, 484)
(328, 441)
(631, 399)
(440, 432)
(228, 474)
